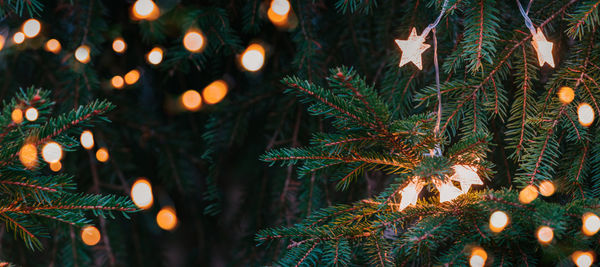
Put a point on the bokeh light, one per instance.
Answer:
(31, 114)
(55, 166)
(52, 152)
(544, 235)
(117, 82)
(566, 94)
(528, 194)
(214, 92)
(155, 56)
(547, 188)
(90, 235)
(145, 9)
(19, 38)
(191, 100)
(280, 7)
(28, 155)
(193, 41)
(87, 139)
(31, 28)
(585, 112)
(102, 154)
(141, 193)
(2, 41)
(17, 115)
(119, 45)
(478, 257)
(166, 218)
(590, 224)
(82, 54)
(132, 76)
(498, 221)
(53, 46)
(253, 57)
(583, 258)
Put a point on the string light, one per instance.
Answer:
(155, 56)
(566, 94)
(145, 9)
(166, 218)
(253, 57)
(193, 41)
(28, 155)
(102, 154)
(82, 54)
(590, 224)
(585, 112)
(31, 28)
(53, 46)
(17, 115)
(546, 188)
(87, 139)
(55, 166)
(498, 221)
(31, 114)
(117, 82)
(191, 100)
(132, 77)
(583, 258)
(52, 152)
(19, 38)
(528, 194)
(214, 92)
(412, 49)
(119, 45)
(90, 235)
(545, 235)
(478, 257)
(141, 193)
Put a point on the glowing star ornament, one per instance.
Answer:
(412, 48)
(410, 193)
(466, 176)
(448, 191)
(543, 48)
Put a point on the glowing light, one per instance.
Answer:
(528, 194)
(55, 166)
(448, 191)
(543, 48)
(52, 152)
(82, 54)
(155, 56)
(28, 155)
(478, 257)
(102, 154)
(31, 28)
(546, 188)
(410, 193)
(19, 38)
(193, 41)
(117, 82)
(132, 77)
(214, 92)
(191, 100)
(583, 259)
(276, 19)
(145, 9)
(566, 94)
(253, 58)
(17, 116)
(141, 194)
(90, 235)
(412, 48)
(498, 221)
(31, 114)
(466, 176)
(166, 218)
(53, 46)
(545, 235)
(280, 7)
(591, 224)
(585, 112)
(119, 45)
(87, 139)
(2, 41)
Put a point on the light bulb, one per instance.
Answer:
(31, 114)
(117, 82)
(545, 235)
(119, 45)
(19, 38)
(583, 258)
(478, 257)
(55, 166)
(132, 77)
(31, 28)
(585, 112)
(90, 235)
(253, 57)
(141, 194)
(566, 94)
(528, 194)
(191, 100)
(82, 54)
(17, 115)
(193, 41)
(590, 224)
(102, 154)
(87, 139)
(28, 155)
(214, 92)
(52, 152)
(546, 188)
(498, 221)
(155, 56)
(53, 46)
(145, 9)
(166, 218)
(280, 7)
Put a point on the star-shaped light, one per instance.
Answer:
(410, 193)
(466, 176)
(448, 191)
(543, 48)
(412, 48)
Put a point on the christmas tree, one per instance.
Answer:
(299, 133)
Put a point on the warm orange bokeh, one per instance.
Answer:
(117, 82)
(193, 41)
(90, 235)
(214, 92)
(119, 45)
(191, 100)
(528, 194)
(141, 194)
(102, 154)
(167, 218)
(28, 155)
(17, 116)
(53, 46)
(132, 76)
